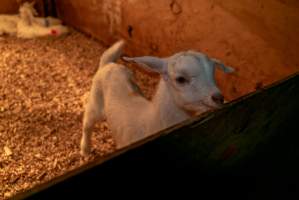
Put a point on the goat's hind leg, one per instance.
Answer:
(93, 113)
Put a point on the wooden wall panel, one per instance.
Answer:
(258, 38)
(8, 6)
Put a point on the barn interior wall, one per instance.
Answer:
(256, 37)
(8, 6)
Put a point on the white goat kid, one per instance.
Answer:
(27, 25)
(33, 30)
(28, 13)
(186, 88)
(8, 24)
(30, 26)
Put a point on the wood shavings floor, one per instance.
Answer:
(44, 84)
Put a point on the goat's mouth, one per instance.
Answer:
(195, 109)
(215, 106)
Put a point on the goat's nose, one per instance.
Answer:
(218, 98)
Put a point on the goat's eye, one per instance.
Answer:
(181, 80)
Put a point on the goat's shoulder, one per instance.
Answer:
(112, 71)
(114, 68)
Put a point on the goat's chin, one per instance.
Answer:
(197, 109)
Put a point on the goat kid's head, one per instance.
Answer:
(28, 12)
(190, 79)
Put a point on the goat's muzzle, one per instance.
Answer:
(218, 99)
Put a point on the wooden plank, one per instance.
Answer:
(8, 6)
(94, 17)
(251, 135)
(147, 23)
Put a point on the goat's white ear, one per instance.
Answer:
(150, 63)
(221, 66)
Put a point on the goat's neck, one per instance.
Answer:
(165, 107)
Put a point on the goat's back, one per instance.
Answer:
(8, 24)
(128, 113)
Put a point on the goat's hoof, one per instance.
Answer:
(85, 149)
(85, 152)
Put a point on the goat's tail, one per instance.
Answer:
(112, 54)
